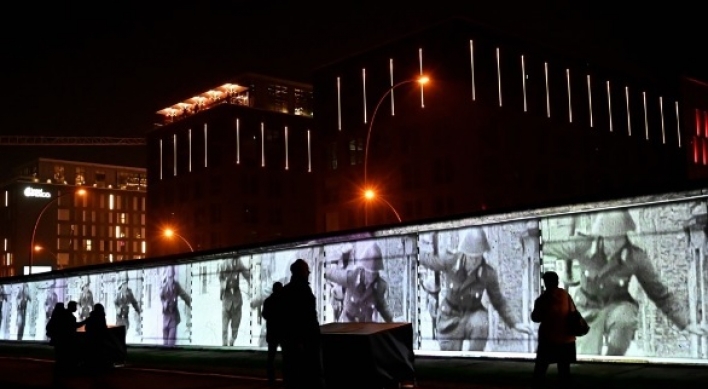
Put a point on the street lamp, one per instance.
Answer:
(420, 80)
(370, 195)
(80, 192)
(169, 233)
(367, 190)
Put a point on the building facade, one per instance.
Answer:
(232, 166)
(59, 214)
(502, 124)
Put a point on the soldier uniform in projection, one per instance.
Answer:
(364, 289)
(85, 300)
(23, 299)
(467, 276)
(3, 298)
(170, 292)
(50, 302)
(231, 299)
(608, 260)
(124, 299)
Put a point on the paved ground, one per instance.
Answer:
(30, 367)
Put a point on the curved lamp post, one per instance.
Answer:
(80, 192)
(370, 195)
(169, 233)
(367, 190)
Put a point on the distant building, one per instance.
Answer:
(232, 166)
(502, 124)
(105, 224)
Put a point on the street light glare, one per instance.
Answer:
(369, 194)
(81, 192)
(169, 233)
(37, 248)
(423, 80)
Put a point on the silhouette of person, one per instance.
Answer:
(273, 314)
(23, 299)
(72, 357)
(170, 292)
(97, 334)
(462, 316)
(85, 300)
(555, 342)
(124, 299)
(232, 301)
(302, 365)
(51, 301)
(57, 330)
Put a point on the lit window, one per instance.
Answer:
(111, 201)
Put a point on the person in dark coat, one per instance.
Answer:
(302, 363)
(556, 344)
(97, 334)
(273, 314)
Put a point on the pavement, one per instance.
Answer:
(30, 366)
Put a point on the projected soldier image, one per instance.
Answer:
(4, 307)
(53, 292)
(371, 280)
(621, 266)
(123, 301)
(231, 271)
(471, 274)
(23, 303)
(171, 292)
(85, 298)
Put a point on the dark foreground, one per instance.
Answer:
(31, 366)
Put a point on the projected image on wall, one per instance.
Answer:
(221, 295)
(122, 296)
(85, 290)
(637, 275)
(167, 305)
(275, 267)
(369, 280)
(477, 285)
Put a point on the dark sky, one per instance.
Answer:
(104, 68)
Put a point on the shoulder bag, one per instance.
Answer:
(576, 322)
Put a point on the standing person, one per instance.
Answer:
(97, 335)
(302, 365)
(58, 332)
(71, 325)
(555, 342)
(23, 299)
(273, 314)
(468, 276)
(230, 294)
(170, 292)
(51, 301)
(608, 260)
(124, 299)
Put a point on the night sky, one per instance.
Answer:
(103, 70)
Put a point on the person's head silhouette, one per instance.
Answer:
(550, 279)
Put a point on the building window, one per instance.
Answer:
(303, 102)
(100, 178)
(331, 157)
(278, 98)
(59, 177)
(356, 151)
(80, 178)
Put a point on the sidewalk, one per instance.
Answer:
(30, 367)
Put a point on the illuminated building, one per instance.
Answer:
(106, 224)
(501, 125)
(232, 166)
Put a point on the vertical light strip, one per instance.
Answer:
(523, 81)
(570, 105)
(609, 104)
(339, 104)
(629, 118)
(363, 84)
(174, 155)
(390, 72)
(420, 65)
(663, 127)
(189, 141)
(7, 198)
(262, 144)
(678, 124)
(160, 158)
(472, 69)
(5, 244)
(548, 92)
(646, 121)
(309, 153)
(499, 88)
(590, 99)
(206, 143)
(287, 160)
(238, 141)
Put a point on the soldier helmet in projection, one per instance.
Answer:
(613, 223)
(123, 279)
(169, 271)
(370, 257)
(85, 281)
(473, 242)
